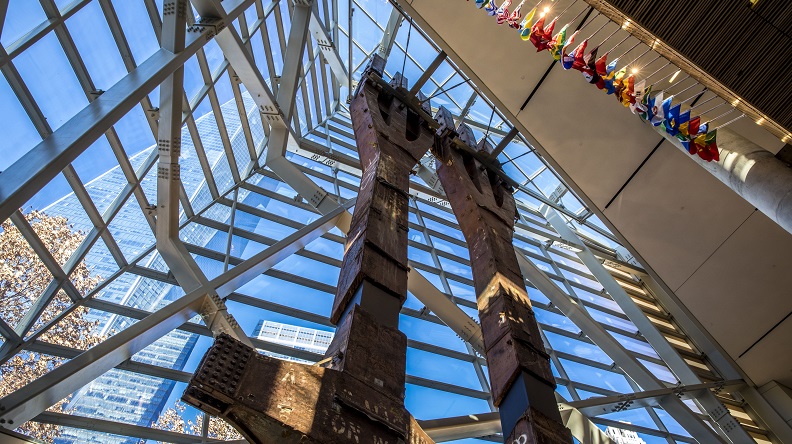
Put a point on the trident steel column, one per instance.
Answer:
(519, 368)
(356, 394)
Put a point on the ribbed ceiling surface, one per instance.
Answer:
(746, 48)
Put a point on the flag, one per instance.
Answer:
(672, 116)
(694, 126)
(616, 84)
(525, 32)
(602, 70)
(590, 70)
(609, 75)
(628, 91)
(482, 3)
(559, 42)
(546, 39)
(681, 125)
(579, 54)
(502, 16)
(712, 145)
(536, 33)
(700, 147)
(514, 19)
(566, 58)
(491, 7)
(637, 104)
(656, 109)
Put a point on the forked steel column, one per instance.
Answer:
(522, 382)
(356, 394)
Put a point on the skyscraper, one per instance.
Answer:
(301, 338)
(131, 397)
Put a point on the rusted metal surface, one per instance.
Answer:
(486, 211)
(391, 139)
(536, 427)
(274, 401)
(357, 394)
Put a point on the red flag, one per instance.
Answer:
(579, 55)
(536, 33)
(693, 127)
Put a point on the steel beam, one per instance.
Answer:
(461, 427)
(32, 399)
(328, 49)
(23, 179)
(519, 367)
(649, 330)
(389, 35)
(623, 358)
(427, 74)
(358, 389)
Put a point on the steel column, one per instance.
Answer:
(357, 394)
(522, 382)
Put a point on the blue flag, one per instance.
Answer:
(672, 119)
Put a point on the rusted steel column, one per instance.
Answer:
(356, 395)
(522, 383)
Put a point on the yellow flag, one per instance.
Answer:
(525, 34)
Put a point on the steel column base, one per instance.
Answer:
(304, 403)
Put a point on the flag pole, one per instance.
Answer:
(658, 70)
(643, 54)
(595, 32)
(611, 35)
(698, 94)
(715, 96)
(713, 109)
(633, 47)
(731, 121)
(684, 90)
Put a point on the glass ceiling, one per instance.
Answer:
(59, 56)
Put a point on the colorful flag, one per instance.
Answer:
(559, 42)
(482, 3)
(658, 114)
(617, 85)
(602, 70)
(547, 36)
(590, 70)
(579, 54)
(682, 125)
(491, 7)
(628, 91)
(525, 32)
(514, 19)
(672, 116)
(699, 146)
(693, 126)
(712, 145)
(566, 58)
(609, 75)
(637, 104)
(537, 33)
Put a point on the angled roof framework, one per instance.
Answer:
(255, 92)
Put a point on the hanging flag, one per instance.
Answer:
(672, 117)
(502, 14)
(647, 102)
(590, 70)
(482, 3)
(579, 55)
(525, 32)
(693, 126)
(537, 33)
(616, 85)
(609, 75)
(491, 7)
(628, 91)
(657, 110)
(514, 19)
(637, 104)
(681, 126)
(559, 42)
(712, 145)
(566, 58)
(699, 146)
(547, 36)
(602, 70)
